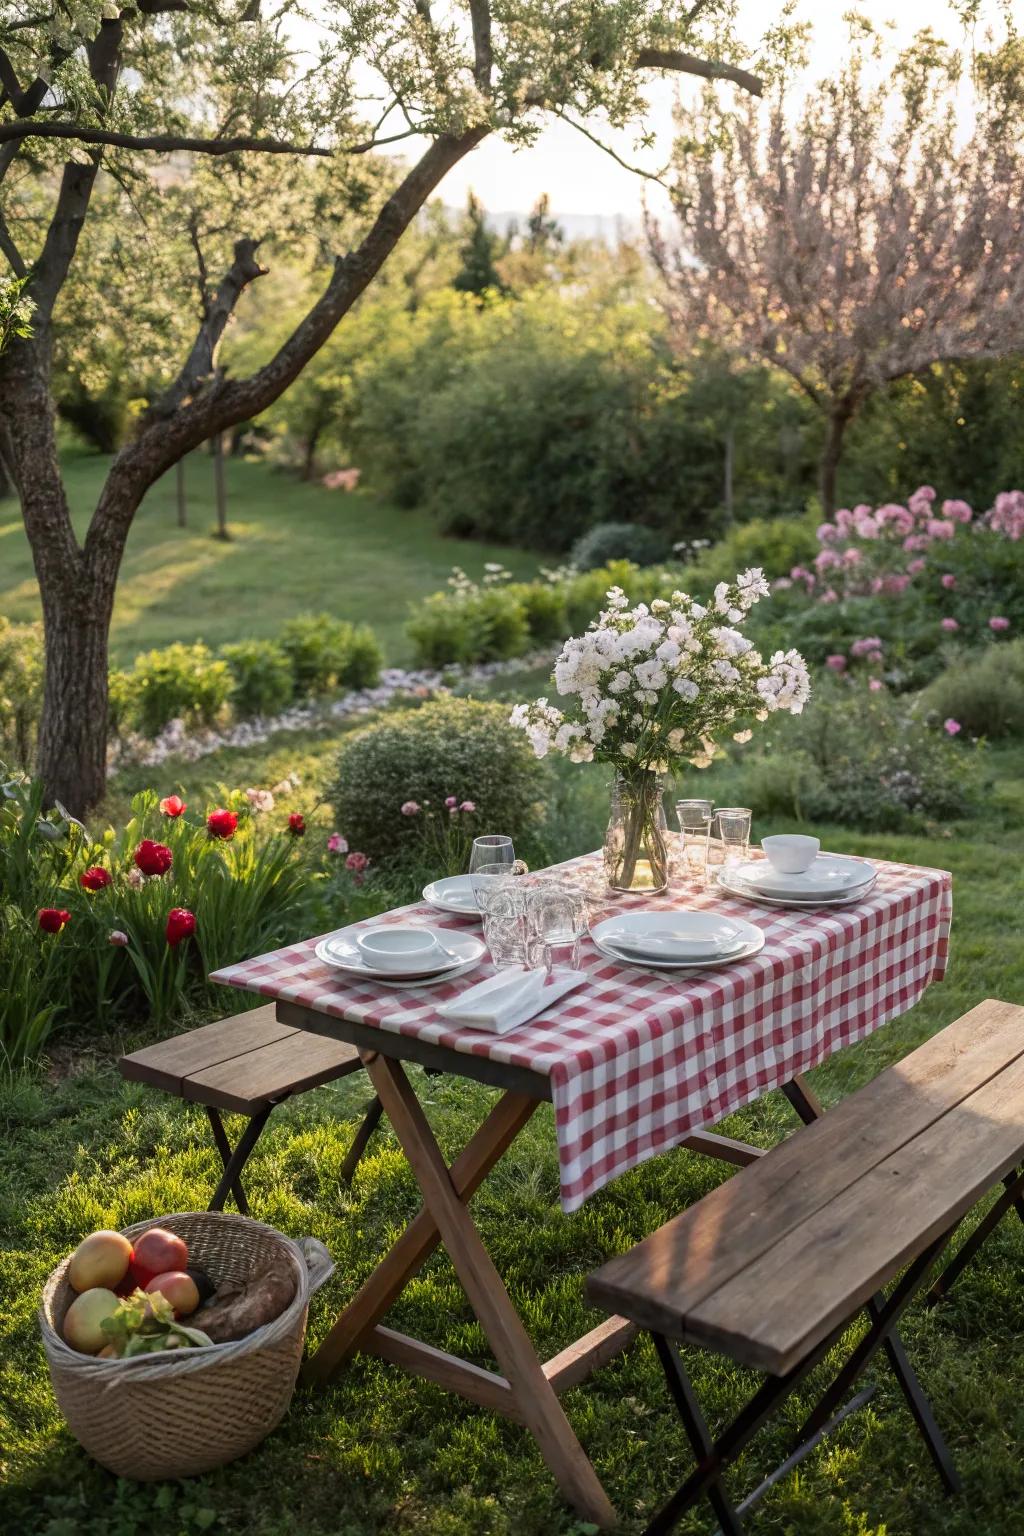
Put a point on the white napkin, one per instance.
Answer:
(511, 998)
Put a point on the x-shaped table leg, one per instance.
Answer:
(524, 1392)
(235, 1161)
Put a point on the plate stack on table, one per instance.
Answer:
(831, 880)
(677, 941)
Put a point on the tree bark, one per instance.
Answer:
(832, 452)
(6, 483)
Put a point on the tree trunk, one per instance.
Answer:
(181, 493)
(309, 458)
(6, 484)
(838, 421)
(220, 486)
(730, 456)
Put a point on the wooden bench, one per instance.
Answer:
(246, 1065)
(773, 1266)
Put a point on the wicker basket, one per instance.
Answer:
(171, 1416)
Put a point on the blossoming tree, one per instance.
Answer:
(276, 121)
(861, 241)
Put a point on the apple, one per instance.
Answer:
(156, 1252)
(101, 1259)
(108, 1352)
(179, 1289)
(84, 1319)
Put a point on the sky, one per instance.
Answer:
(581, 179)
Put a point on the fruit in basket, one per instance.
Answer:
(83, 1321)
(144, 1324)
(157, 1252)
(179, 1289)
(101, 1259)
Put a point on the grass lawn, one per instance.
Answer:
(294, 549)
(378, 1452)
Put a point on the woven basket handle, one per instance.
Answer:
(318, 1262)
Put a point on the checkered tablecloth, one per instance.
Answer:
(638, 1060)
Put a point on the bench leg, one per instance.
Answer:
(1013, 1195)
(699, 1436)
(370, 1121)
(235, 1161)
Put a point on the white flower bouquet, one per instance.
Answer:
(651, 689)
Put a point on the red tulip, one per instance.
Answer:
(172, 806)
(153, 858)
(181, 924)
(221, 823)
(94, 879)
(52, 919)
(297, 824)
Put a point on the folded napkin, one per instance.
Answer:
(511, 998)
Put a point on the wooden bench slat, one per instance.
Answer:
(664, 1279)
(167, 1063)
(291, 1065)
(798, 1291)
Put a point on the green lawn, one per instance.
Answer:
(378, 1452)
(294, 549)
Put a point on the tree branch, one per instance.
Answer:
(162, 143)
(480, 15)
(10, 250)
(199, 366)
(690, 64)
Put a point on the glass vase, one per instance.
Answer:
(636, 843)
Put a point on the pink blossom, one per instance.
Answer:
(892, 515)
(451, 802)
(896, 584)
(337, 844)
(941, 527)
(357, 862)
(1007, 516)
(925, 493)
(836, 663)
(952, 727)
(342, 479)
(949, 581)
(916, 566)
(117, 937)
(410, 808)
(825, 559)
(875, 683)
(827, 533)
(959, 511)
(844, 519)
(950, 626)
(260, 799)
(468, 805)
(998, 623)
(830, 595)
(916, 541)
(866, 527)
(866, 647)
(851, 556)
(781, 584)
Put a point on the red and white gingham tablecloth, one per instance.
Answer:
(638, 1060)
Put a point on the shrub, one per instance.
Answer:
(543, 604)
(468, 625)
(983, 692)
(328, 653)
(261, 674)
(21, 690)
(449, 747)
(776, 544)
(179, 682)
(618, 541)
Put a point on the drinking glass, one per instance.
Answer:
(695, 817)
(507, 931)
(558, 916)
(491, 850)
(488, 879)
(733, 828)
(525, 920)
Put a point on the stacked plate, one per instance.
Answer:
(452, 956)
(830, 881)
(454, 894)
(677, 941)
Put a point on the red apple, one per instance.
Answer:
(101, 1259)
(84, 1318)
(179, 1289)
(156, 1252)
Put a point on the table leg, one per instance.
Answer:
(535, 1399)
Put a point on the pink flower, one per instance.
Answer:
(892, 515)
(468, 805)
(950, 626)
(875, 658)
(998, 624)
(916, 566)
(836, 663)
(172, 806)
(959, 511)
(875, 683)
(925, 493)
(356, 862)
(851, 556)
(451, 802)
(830, 595)
(260, 799)
(949, 581)
(844, 518)
(916, 541)
(827, 533)
(952, 727)
(896, 584)
(117, 937)
(826, 558)
(411, 808)
(866, 527)
(941, 527)
(866, 647)
(337, 844)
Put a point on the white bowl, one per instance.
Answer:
(790, 852)
(398, 949)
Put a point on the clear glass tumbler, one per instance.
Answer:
(732, 825)
(694, 817)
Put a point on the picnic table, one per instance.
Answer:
(635, 1062)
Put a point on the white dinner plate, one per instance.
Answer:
(829, 875)
(795, 903)
(453, 894)
(674, 935)
(752, 941)
(339, 951)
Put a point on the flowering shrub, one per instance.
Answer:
(651, 688)
(448, 748)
